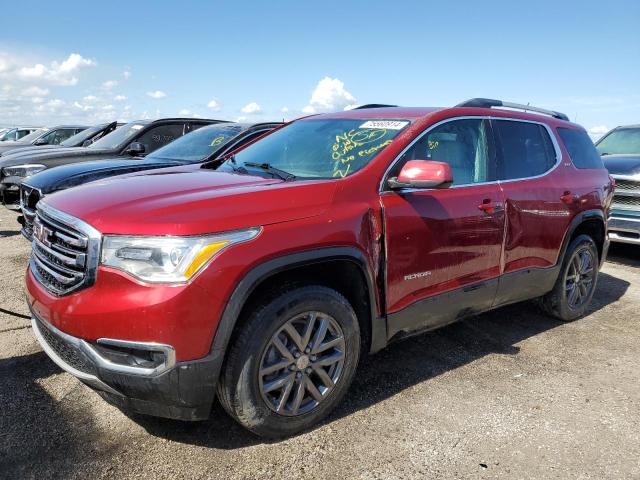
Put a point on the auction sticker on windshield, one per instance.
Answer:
(388, 124)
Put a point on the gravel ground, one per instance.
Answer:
(509, 394)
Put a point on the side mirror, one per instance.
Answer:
(423, 174)
(135, 149)
(40, 141)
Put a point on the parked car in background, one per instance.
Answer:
(17, 133)
(45, 136)
(135, 139)
(203, 145)
(264, 280)
(620, 151)
(81, 139)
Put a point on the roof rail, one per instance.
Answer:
(373, 105)
(488, 103)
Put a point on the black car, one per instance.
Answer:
(41, 137)
(81, 139)
(620, 151)
(133, 139)
(206, 145)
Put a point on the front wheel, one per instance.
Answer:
(576, 282)
(292, 361)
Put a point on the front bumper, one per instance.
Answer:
(182, 390)
(624, 229)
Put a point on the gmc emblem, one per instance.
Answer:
(42, 234)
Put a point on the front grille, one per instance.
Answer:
(64, 255)
(626, 195)
(29, 198)
(68, 352)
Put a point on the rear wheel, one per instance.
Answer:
(292, 362)
(576, 283)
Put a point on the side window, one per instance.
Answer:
(525, 149)
(581, 149)
(20, 133)
(466, 145)
(160, 136)
(57, 136)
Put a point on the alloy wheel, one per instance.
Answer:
(302, 363)
(580, 277)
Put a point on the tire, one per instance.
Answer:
(558, 302)
(243, 388)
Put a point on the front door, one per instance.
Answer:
(443, 246)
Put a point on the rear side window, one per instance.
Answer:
(525, 149)
(581, 149)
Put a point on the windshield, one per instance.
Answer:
(33, 135)
(620, 142)
(6, 133)
(79, 138)
(198, 145)
(119, 137)
(323, 148)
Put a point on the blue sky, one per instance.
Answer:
(79, 62)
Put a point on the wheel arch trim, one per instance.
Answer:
(263, 271)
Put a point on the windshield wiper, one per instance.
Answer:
(276, 172)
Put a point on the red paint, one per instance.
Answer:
(426, 171)
(458, 235)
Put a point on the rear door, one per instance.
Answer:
(443, 249)
(534, 183)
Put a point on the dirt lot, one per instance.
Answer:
(510, 394)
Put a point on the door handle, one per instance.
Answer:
(569, 198)
(488, 207)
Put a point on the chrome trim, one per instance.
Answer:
(554, 140)
(106, 364)
(629, 178)
(65, 225)
(94, 355)
(87, 378)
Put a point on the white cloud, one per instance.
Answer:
(241, 119)
(328, 96)
(109, 84)
(35, 92)
(284, 109)
(157, 94)
(90, 98)
(37, 100)
(214, 105)
(126, 74)
(599, 130)
(56, 73)
(119, 98)
(251, 108)
(84, 108)
(108, 108)
(184, 112)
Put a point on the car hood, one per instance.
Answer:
(628, 165)
(6, 146)
(54, 155)
(187, 201)
(67, 176)
(27, 150)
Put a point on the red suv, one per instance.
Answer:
(264, 280)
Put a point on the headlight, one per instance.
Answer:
(167, 259)
(22, 170)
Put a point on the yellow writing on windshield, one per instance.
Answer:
(216, 141)
(343, 150)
